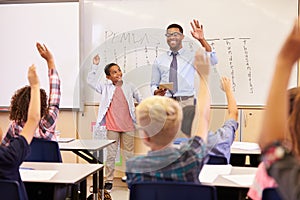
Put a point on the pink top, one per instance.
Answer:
(118, 116)
(261, 181)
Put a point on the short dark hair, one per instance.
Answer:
(175, 26)
(107, 68)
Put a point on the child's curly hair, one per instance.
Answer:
(20, 102)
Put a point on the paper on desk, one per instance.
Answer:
(243, 180)
(245, 145)
(210, 172)
(168, 86)
(36, 175)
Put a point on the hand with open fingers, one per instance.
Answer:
(197, 31)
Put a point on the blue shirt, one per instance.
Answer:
(185, 71)
(219, 143)
(169, 164)
(11, 157)
(106, 89)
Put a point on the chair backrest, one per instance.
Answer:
(171, 190)
(9, 189)
(217, 160)
(44, 151)
(271, 194)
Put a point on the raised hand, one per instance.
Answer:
(225, 84)
(32, 76)
(290, 51)
(96, 59)
(197, 31)
(202, 63)
(44, 52)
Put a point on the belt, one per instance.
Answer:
(182, 98)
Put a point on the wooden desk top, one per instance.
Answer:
(67, 173)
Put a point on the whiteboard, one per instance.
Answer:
(54, 24)
(246, 34)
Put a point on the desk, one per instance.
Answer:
(232, 183)
(83, 148)
(239, 151)
(67, 174)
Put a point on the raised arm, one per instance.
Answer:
(49, 119)
(232, 107)
(202, 112)
(198, 34)
(34, 105)
(93, 77)
(274, 123)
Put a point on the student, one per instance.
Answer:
(161, 68)
(12, 155)
(18, 114)
(218, 143)
(262, 180)
(280, 162)
(159, 119)
(116, 111)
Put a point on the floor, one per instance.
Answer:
(119, 191)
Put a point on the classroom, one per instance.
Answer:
(244, 34)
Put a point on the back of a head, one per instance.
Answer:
(160, 118)
(20, 102)
(294, 118)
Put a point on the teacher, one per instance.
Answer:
(176, 65)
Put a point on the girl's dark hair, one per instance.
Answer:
(175, 26)
(20, 102)
(107, 68)
(294, 118)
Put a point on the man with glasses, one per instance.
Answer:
(176, 65)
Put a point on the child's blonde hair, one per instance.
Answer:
(160, 118)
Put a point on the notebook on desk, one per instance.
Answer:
(64, 140)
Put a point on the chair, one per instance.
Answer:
(44, 151)
(271, 194)
(171, 190)
(217, 160)
(9, 189)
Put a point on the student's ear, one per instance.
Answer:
(108, 77)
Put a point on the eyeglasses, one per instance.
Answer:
(174, 34)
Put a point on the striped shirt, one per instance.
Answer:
(169, 164)
(47, 124)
